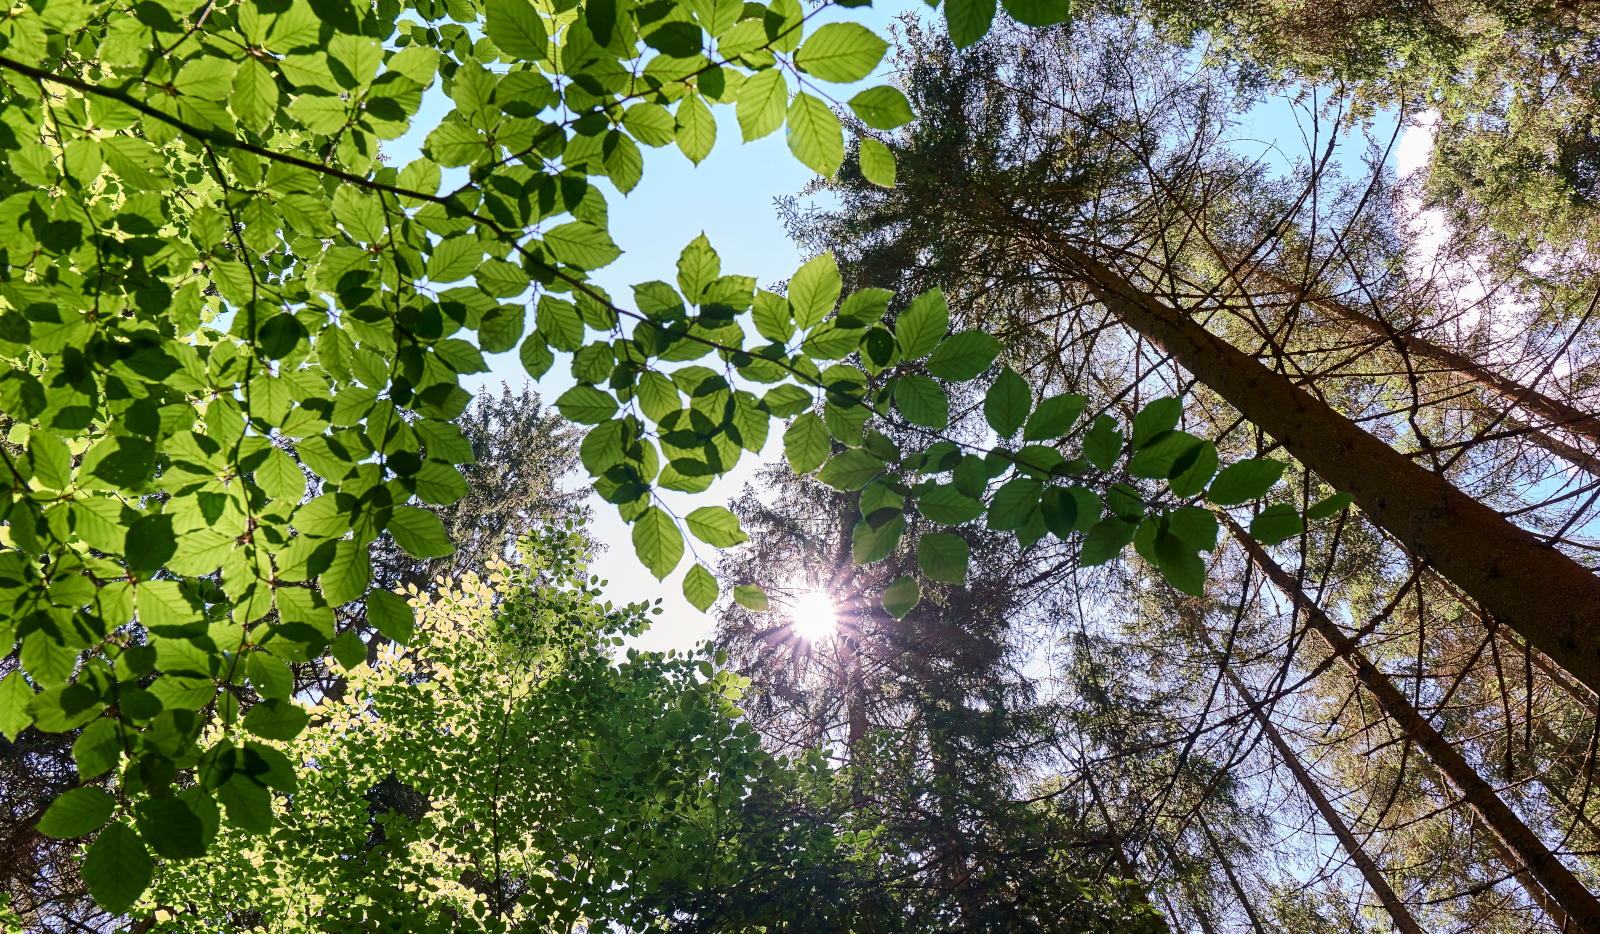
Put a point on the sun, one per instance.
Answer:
(813, 616)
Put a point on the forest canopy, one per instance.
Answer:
(1199, 541)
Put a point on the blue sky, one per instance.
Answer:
(730, 197)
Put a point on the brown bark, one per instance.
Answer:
(1557, 413)
(1227, 870)
(1123, 863)
(1556, 879)
(1551, 600)
(1537, 895)
(1400, 914)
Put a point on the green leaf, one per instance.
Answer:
(763, 101)
(171, 828)
(1039, 12)
(117, 868)
(1014, 502)
(1060, 511)
(98, 747)
(653, 124)
(772, 318)
(882, 108)
(805, 443)
(392, 615)
(1329, 507)
(815, 136)
(901, 597)
(698, 267)
(347, 575)
(1106, 540)
(320, 113)
(516, 29)
(968, 20)
(559, 323)
(348, 649)
(943, 557)
(582, 245)
(752, 598)
(700, 588)
(536, 356)
(359, 213)
(1006, 404)
(864, 307)
(1158, 416)
(868, 544)
(1164, 455)
(696, 131)
(657, 542)
(270, 676)
(787, 400)
(248, 802)
(420, 533)
(280, 477)
(922, 401)
(1102, 443)
(963, 356)
(657, 395)
(276, 719)
(716, 526)
(586, 405)
(255, 95)
(1194, 470)
(1196, 527)
(841, 52)
(1180, 565)
(850, 470)
(1244, 481)
(1055, 417)
(877, 163)
(454, 258)
(922, 326)
(51, 461)
(501, 279)
(500, 329)
(814, 290)
(78, 812)
(948, 506)
(750, 422)
(1275, 523)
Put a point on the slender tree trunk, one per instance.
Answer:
(1200, 913)
(1548, 598)
(1579, 903)
(1124, 864)
(1530, 886)
(1584, 461)
(1358, 854)
(1557, 413)
(1233, 879)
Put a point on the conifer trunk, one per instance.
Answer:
(1557, 413)
(1537, 895)
(1570, 894)
(1551, 600)
(1398, 912)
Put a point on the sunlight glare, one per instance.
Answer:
(813, 616)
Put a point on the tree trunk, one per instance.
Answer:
(1124, 865)
(1227, 869)
(1537, 895)
(1559, 414)
(1578, 902)
(1548, 598)
(1358, 854)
